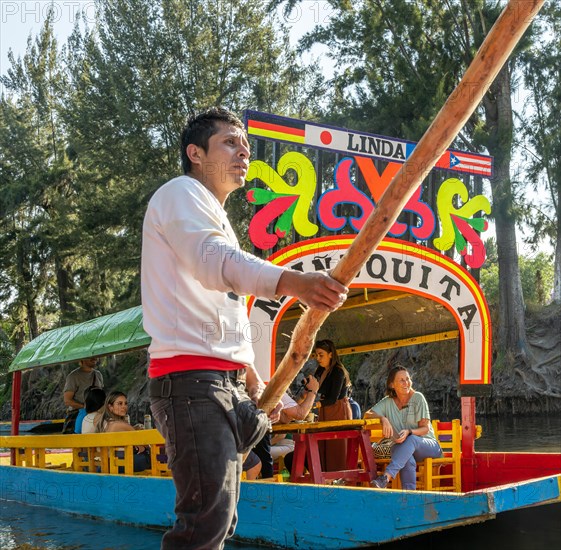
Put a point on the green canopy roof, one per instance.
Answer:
(105, 335)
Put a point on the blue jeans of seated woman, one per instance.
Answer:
(406, 455)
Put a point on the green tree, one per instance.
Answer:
(135, 81)
(397, 62)
(536, 273)
(537, 278)
(89, 131)
(542, 74)
(35, 181)
(489, 274)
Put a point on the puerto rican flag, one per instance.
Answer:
(481, 165)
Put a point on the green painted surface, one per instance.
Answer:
(105, 335)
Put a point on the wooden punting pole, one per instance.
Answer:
(492, 55)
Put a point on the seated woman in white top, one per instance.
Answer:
(113, 419)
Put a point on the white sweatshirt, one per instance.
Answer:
(195, 277)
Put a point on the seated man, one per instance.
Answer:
(299, 411)
(75, 385)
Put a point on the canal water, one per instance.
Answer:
(25, 527)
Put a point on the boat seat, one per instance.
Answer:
(159, 460)
(83, 459)
(445, 473)
(381, 463)
(29, 457)
(433, 474)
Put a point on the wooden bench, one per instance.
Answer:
(434, 474)
(108, 453)
(381, 463)
(445, 473)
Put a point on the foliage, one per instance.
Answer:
(90, 130)
(6, 352)
(489, 281)
(536, 273)
(542, 74)
(397, 62)
(537, 279)
(36, 181)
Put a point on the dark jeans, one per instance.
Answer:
(263, 451)
(202, 456)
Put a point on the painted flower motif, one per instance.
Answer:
(465, 232)
(343, 192)
(288, 204)
(277, 206)
(459, 227)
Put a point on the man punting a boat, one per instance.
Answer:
(194, 281)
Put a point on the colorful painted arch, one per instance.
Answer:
(407, 294)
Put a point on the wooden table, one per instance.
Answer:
(306, 438)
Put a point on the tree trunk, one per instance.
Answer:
(557, 270)
(511, 333)
(65, 287)
(27, 294)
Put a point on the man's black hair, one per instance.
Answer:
(200, 128)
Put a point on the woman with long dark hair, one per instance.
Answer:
(113, 414)
(334, 391)
(113, 418)
(405, 418)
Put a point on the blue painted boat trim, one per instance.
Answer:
(136, 500)
(286, 515)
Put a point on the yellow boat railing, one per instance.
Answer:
(108, 453)
(113, 453)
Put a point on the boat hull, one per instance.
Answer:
(279, 514)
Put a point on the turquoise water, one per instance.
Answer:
(540, 434)
(25, 527)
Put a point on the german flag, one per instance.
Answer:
(275, 128)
